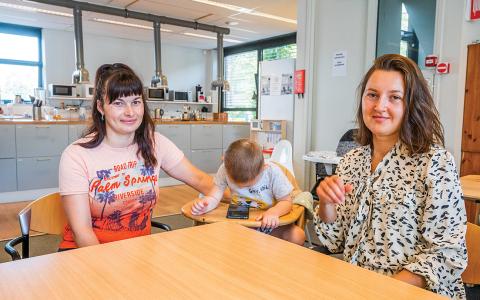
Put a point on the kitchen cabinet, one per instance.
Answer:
(207, 160)
(8, 174)
(37, 172)
(75, 132)
(206, 136)
(41, 140)
(7, 141)
(179, 135)
(232, 133)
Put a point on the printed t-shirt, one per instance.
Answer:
(121, 190)
(271, 185)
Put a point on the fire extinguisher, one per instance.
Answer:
(300, 82)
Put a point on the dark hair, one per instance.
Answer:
(113, 81)
(421, 125)
(243, 160)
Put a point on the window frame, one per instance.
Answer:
(25, 31)
(259, 46)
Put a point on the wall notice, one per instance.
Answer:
(339, 64)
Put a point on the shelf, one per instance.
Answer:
(69, 98)
(179, 102)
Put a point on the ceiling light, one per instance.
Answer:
(209, 37)
(245, 10)
(35, 9)
(127, 24)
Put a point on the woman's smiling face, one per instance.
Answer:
(383, 105)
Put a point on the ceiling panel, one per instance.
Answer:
(250, 28)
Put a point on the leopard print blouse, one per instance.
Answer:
(408, 214)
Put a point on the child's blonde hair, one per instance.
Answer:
(243, 160)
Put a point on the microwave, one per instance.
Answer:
(85, 90)
(62, 90)
(174, 95)
(157, 94)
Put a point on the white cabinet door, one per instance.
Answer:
(75, 132)
(37, 172)
(206, 137)
(8, 175)
(232, 133)
(207, 160)
(7, 141)
(41, 140)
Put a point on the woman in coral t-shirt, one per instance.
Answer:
(109, 178)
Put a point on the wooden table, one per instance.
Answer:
(219, 215)
(216, 261)
(471, 193)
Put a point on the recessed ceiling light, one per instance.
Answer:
(35, 9)
(231, 23)
(209, 37)
(127, 24)
(245, 10)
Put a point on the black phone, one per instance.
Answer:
(237, 211)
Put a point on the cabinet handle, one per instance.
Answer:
(43, 159)
(42, 126)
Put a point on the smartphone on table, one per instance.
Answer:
(237, 211)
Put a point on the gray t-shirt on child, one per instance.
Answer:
(272, 185)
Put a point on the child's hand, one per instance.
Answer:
(269, 220)
(203, 205)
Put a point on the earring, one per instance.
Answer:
(103, 119)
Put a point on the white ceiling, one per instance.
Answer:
(250, 27)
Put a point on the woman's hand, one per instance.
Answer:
(203, 205)
(270, 219)
(332, 190)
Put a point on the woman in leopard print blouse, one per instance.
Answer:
(395, 205)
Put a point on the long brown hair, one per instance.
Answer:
(113, 81)
(421, 127)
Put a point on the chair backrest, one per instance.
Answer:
(471, 275)
(45, 215)
(347, 142)
(283, 154)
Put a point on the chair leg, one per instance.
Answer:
(307, 233)
(26, 246)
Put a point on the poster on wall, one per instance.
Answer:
(473, 10)
(287, 84)
(275, 85)
(265, 85)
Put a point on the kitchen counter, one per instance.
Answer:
(77, 121)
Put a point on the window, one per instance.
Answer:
(406, 27)
(286, 51)
(20, 61)
(241, 71)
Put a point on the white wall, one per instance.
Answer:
(184, 67)
(334, 101)
(328, 109)
(453, 34)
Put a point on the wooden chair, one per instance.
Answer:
(471, 275)
(44, 215)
